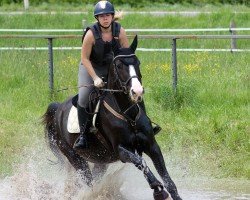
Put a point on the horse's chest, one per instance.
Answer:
(138, 140)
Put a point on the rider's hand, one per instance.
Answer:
(98, 82)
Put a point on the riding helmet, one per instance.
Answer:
(103, 7)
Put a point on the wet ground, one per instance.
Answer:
(39, 180)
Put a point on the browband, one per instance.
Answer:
(122, 56)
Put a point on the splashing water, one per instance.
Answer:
(37, 179)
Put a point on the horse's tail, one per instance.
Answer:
(51, 136)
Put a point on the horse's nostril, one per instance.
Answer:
(140, 98)
(133, 92)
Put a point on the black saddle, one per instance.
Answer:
(94, 97)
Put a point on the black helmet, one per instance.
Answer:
(104, 7)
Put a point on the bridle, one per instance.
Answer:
(122, 84)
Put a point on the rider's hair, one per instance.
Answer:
(118, 15)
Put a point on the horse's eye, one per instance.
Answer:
(129, 60)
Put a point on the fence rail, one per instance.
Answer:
(138, 49)
(174, 39)
(156, 13)
(129, 30)
(131, 36)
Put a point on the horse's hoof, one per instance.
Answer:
(161, 195)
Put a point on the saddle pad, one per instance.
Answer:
(73, 124)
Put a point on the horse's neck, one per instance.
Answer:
(120, 99)
(123, 105)
(111, 79)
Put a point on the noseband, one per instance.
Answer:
(123, 84)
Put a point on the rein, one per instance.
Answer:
(110, 90)
(103, 89)
(74, 87)
(123, 84)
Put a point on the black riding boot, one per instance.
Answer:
(156, 127)
(83, 117)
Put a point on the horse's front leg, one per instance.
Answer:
(79, 163)
(156, 155)
(139, 162)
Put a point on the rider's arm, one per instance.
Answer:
(87, 45)
(123, 38)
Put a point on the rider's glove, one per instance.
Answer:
(98, 82)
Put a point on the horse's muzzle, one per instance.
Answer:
(136, 96)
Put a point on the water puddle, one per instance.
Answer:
(39, 180)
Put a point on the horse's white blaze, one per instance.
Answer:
(136, 87)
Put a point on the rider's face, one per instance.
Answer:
(105, 19)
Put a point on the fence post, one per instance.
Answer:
(84, 24)
(174, 65)
(233, 33)
(26, 4)
(51, 67)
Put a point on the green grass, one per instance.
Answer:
(205, 126)
(148, 7)
(210, 114)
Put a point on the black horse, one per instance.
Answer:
(124, 131)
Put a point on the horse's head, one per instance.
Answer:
(127, 72)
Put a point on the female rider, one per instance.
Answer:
(96, 57)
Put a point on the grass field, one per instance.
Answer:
(205, 126)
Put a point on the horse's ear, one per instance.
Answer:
(133, 46)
